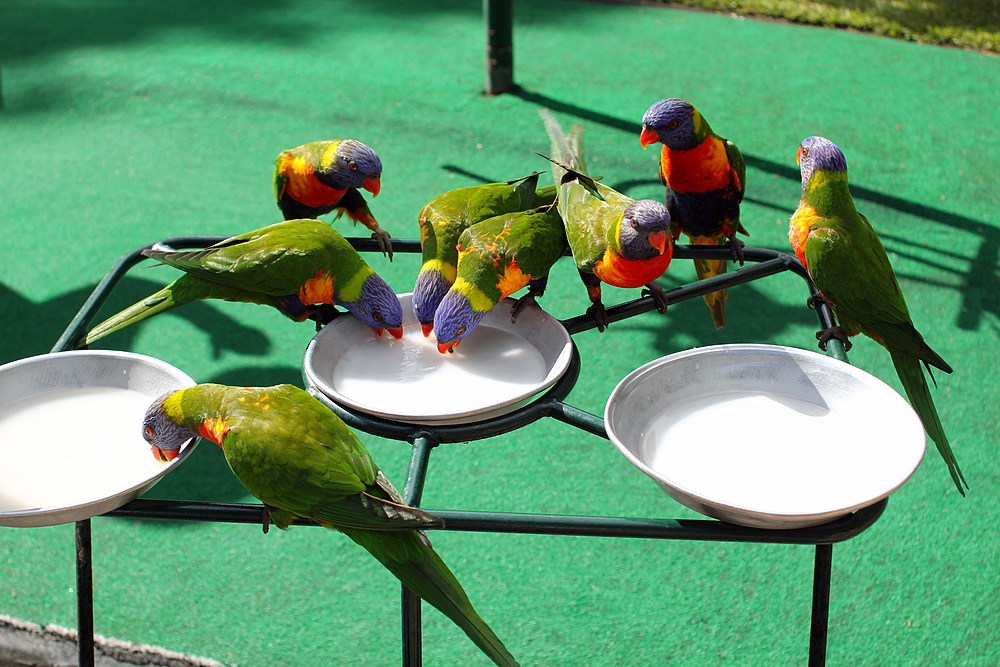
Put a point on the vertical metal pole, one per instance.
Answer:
(412, 491)
(821, 605)
(84, 595)
(499, 18)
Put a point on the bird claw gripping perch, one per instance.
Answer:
(736, 248)
(837, 332)
(815, 300)
(384, 241)
(655, 291)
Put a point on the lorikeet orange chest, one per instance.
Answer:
(620, 272)
(303, 186)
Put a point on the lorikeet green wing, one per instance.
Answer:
(322, 176)
(849, 265)
(497, 257)
(295, 455)
(442, 221)
(300, 267)
(614, 239)
(705, 177)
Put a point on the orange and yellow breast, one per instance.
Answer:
(799, 228)
(303, 186)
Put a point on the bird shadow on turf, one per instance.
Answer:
(29, 328)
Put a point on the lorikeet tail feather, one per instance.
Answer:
(419, 567)
(183, 290)
(912, 376)
(706, 268)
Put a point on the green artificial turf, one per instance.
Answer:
(968, 24)
(126, 122)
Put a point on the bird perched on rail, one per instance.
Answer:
(614, 239)
(497, 257)
(705, 177)
(849, 265)
(321, 176)
(296, 456)
(304, 268)
(442, 221)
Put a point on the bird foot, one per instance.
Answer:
(815, 300)
(833, 332)
(659, 296)
(521, 305)
(265, 519)
(736, 248)
(322, 314)
(384, 241)
(597, 310)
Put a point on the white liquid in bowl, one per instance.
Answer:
(73, 445)
(411, 377)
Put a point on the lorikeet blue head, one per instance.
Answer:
(378, 307)
(354, 166)
(673, 123)
(819, 154)
(165, 436)
(643, 233)
(454, 320)
(428, 292)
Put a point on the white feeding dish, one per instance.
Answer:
(765, 436)
(496, 369)
(71, 443)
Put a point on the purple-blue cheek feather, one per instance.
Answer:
(378, 306)
(454, 320)
(428, 292)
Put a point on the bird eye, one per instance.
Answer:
(354, 166)
(805, 152)
(460, 332)
(635, 225)
(377, 317)
(148, 432)
(672, 125)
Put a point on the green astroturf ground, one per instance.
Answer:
(126, 122)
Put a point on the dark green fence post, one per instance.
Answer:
(499, 18)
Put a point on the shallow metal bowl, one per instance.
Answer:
(61, 488)
(400, 386)
(765, 436)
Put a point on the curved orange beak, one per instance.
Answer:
(428, 329)
(648, 136)
(395, 332)
(372, 185)
(798, 156)
(447, 347)
(659, 241)
(164, 455)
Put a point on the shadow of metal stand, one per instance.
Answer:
(761, 263)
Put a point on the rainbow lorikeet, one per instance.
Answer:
(497, 257)
(315, 178)
(296, 456)
(846, 260)
(614, 239)
(705, 178)
(301, 267)
(442, 221)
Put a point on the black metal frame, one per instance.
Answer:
(424, 439)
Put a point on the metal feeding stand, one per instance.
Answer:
(763, 263)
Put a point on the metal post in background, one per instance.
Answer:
(822, 572)
(84, 595)
(412, 491)
(499, 18)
